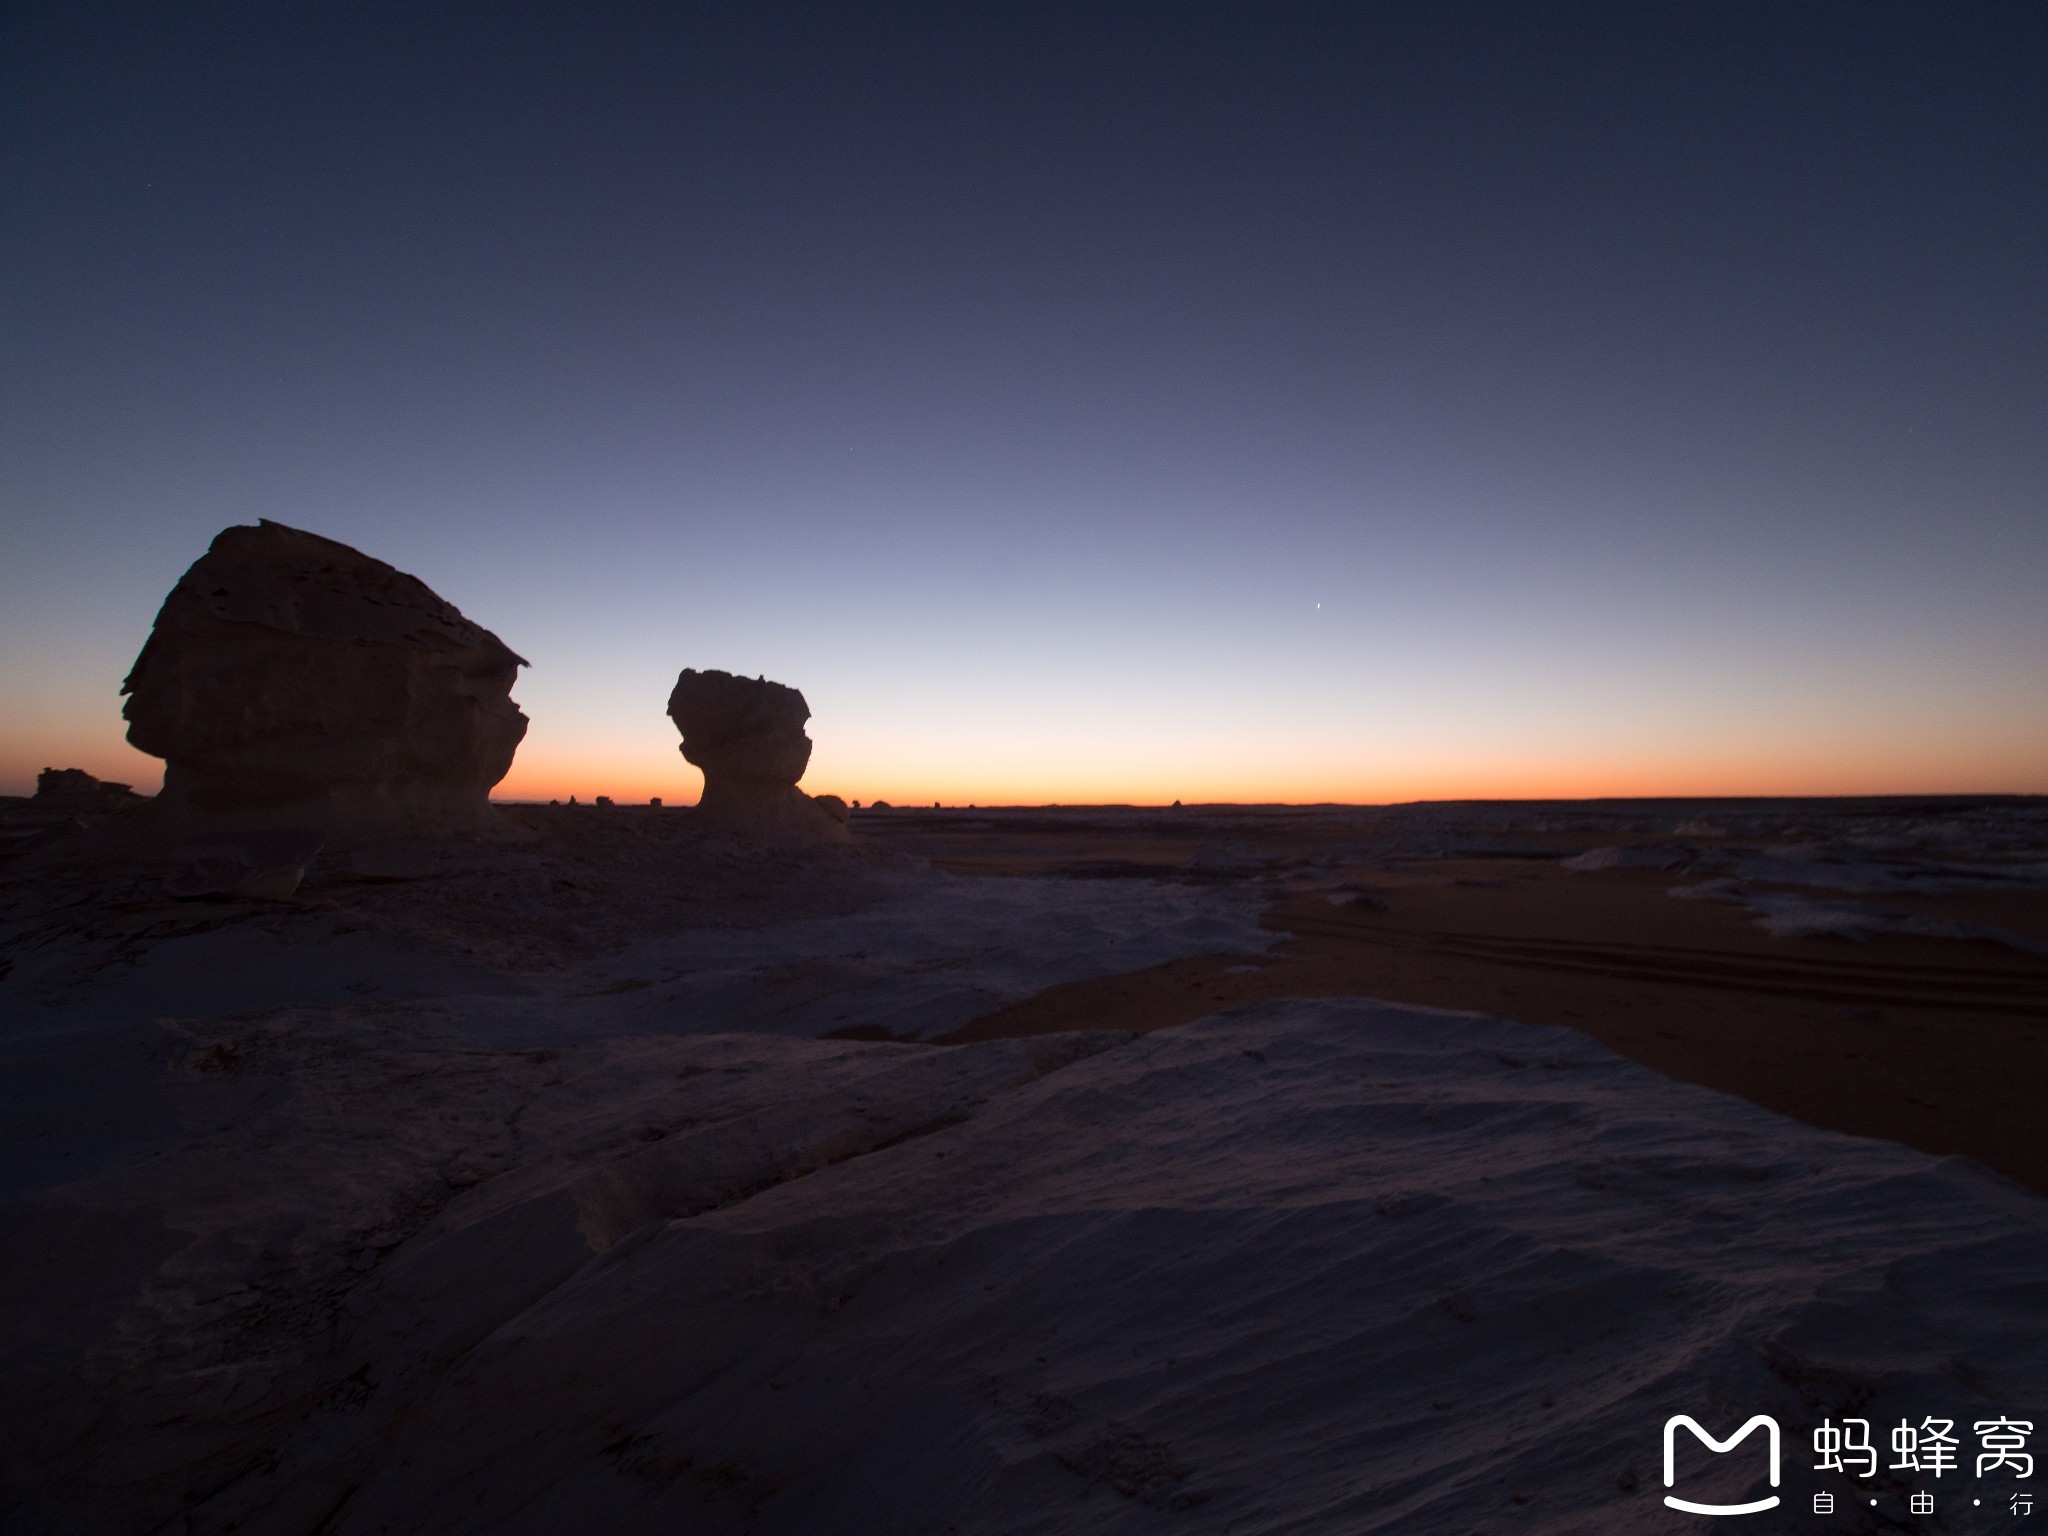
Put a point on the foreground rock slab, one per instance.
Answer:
(1326, 1265)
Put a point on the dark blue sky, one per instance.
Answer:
(1653, 396)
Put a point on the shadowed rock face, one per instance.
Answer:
(292, 680)
(747, 734)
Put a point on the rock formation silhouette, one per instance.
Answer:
(66, 801)
(290, 680)
(76, 791)
(747, 734)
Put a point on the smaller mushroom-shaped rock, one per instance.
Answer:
(747, 734)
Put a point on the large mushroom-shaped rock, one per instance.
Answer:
(293, 681)
(747, 734)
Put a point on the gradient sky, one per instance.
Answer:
(1077, 402)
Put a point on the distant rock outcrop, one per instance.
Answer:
(66, 802)
(747, 734)
(74, 791)
(293, 681)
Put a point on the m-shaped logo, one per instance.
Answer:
(1671, 1424)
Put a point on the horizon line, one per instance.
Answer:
(658, 803)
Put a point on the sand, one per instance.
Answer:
(1937, 1044)
(607, 1174)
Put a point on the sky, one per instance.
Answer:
(1077, 402)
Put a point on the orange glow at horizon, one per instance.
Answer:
(631, 770)
(908, 785)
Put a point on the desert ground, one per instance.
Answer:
(1250, 1169)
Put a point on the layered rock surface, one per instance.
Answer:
(747, 734)
(1314, 1265)
(292, 680)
